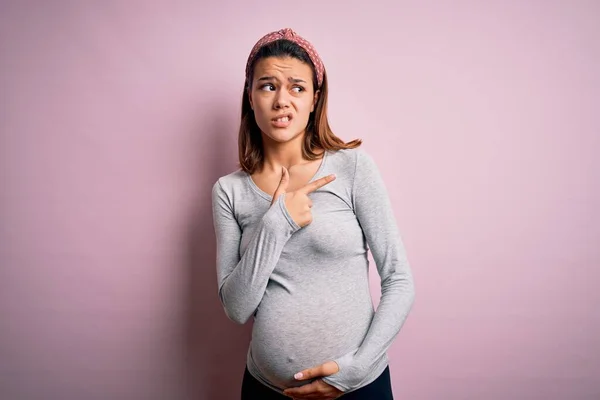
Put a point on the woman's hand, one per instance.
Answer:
(317, 389)
(297, 202)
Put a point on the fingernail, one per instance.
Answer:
(298, 375)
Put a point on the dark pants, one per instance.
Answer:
(379, 389)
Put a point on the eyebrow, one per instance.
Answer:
(272, 78)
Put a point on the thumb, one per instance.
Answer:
(283, 184)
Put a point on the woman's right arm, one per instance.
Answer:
(243, 280)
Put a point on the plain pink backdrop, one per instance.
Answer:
(117, 117)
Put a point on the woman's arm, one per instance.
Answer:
(374, 212)
(242, 281)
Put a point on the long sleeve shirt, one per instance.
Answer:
(307, 288)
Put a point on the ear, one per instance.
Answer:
(315, 99)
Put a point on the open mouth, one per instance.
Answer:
(283, 118)
(282, 121)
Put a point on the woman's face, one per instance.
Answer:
(282, 97)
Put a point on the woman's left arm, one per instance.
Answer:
(374, 212)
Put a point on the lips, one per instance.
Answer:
(282, 120)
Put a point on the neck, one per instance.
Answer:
(279, 154)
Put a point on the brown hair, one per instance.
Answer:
(318, 133)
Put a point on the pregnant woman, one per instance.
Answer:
(294, 226)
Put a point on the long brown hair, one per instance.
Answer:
(318, 132)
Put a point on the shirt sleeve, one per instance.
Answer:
(242, 280)
(375, 215)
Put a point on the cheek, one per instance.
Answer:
(304, 116)
(304, 108)
(260, 109)
(262, 116)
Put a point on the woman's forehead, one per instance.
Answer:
(282, 65)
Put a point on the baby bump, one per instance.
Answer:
(291, 334)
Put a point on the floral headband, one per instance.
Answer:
(292, 36)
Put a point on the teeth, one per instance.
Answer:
(283, 119)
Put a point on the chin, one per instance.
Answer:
(282, 135)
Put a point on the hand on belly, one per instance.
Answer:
(317, 387)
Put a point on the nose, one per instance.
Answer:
(282, 99)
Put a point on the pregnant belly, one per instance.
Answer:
(291, 334)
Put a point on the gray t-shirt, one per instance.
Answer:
(308, 288)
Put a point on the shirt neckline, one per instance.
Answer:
(267, 196)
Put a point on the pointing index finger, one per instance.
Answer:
(319, 183)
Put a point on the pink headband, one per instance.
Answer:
(290, 35)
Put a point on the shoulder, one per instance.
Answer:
(351, 159)
(226, 184)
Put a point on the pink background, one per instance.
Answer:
(117, 117)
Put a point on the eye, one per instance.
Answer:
(267, 87)
(298, 89)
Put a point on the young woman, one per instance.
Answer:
(293, 228)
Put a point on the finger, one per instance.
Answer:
(309, 373)
(319, 183)
(328, 389)
(325, 369)
(303, 390)
(321, 391)
(283, 183)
